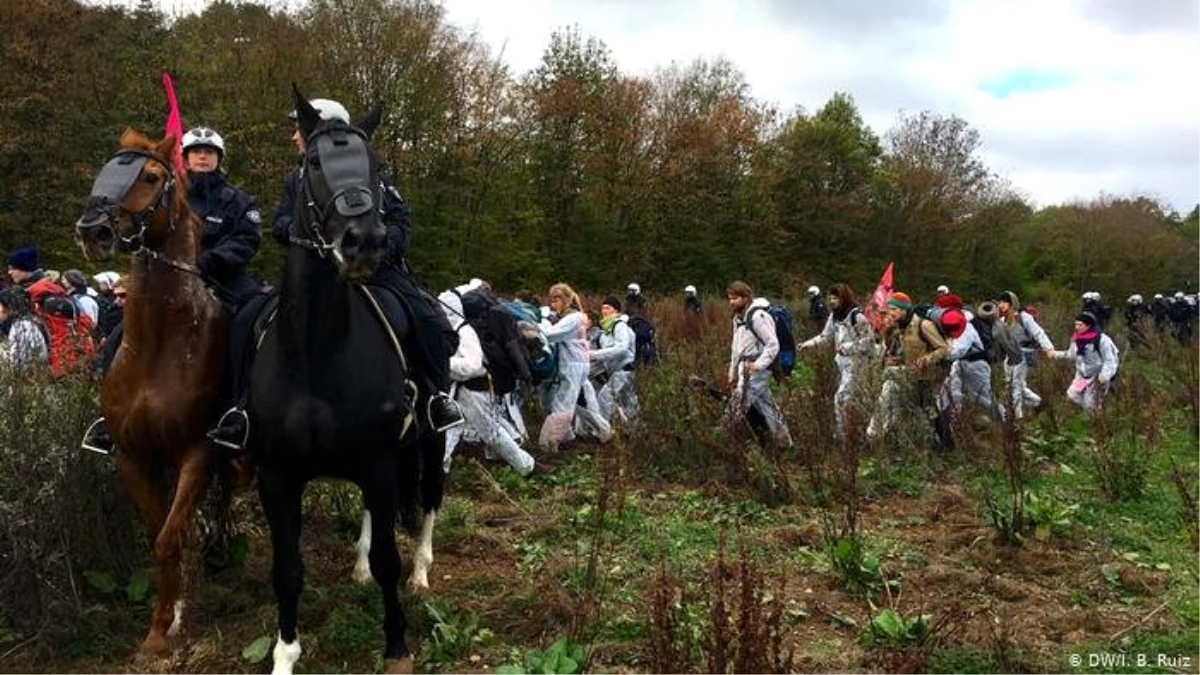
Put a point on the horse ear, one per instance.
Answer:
(370, 123)
(306, 116)
(128, 138)
(166, 147)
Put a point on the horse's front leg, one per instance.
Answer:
(280, 496)
(146, 487)
(423, 556)
(168, 546)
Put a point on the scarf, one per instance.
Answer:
(1081, 339)
(608, 323)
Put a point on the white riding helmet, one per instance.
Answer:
(1179, 295)
(1135, 299)
(689, 289)
(943, 289)
(813, 290)
(328, 109)
(634, 288)
(106, 280)
(1158, 296)
(203, 137)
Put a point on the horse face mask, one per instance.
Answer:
(127, 193)
(341, 198)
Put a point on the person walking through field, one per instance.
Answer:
(853, 341)
(753, 349)
(1096, 362)
(1017, 336)
(914, 361)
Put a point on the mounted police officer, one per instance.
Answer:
(231, 221)
(430, 341)
(230, 237)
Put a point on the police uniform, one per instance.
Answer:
(231, 234)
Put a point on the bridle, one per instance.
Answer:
(105, 204)
(345, 161)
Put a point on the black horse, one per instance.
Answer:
(330, 394)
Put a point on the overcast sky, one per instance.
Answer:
(1072, 98)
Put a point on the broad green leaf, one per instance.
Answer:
(101, 581)
(257, 651)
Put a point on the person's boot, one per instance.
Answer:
(443, 413)
(232, 430)
(96, 438)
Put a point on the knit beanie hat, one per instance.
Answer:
(613, 302)
(24, 259)
(1087, 317)
(949, 301)
(954, 323)
(1009, 297)
(900, 300)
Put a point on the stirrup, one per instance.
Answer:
(217, 440)
(429, 413)
(84, 444)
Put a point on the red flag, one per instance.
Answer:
(174, 123)
(874, 311)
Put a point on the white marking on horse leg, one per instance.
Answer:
(423, 556)
(285, 656)
(177, 622)
(362, 566)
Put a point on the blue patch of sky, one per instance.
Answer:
(1023, 81)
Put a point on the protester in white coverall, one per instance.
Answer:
(752, 351)
(568, 336)
(1017, 334)
(1096, 361)
(472, 391)
(615, 358)
(970, 378)
(853, 342)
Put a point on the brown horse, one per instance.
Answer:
(165, 384)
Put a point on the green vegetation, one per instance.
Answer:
(648, 173)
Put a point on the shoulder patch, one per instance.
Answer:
(254, 216)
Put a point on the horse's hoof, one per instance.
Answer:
(402, 666)
(153, 645)
(362, 574)
(418, 585)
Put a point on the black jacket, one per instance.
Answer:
(231, 233)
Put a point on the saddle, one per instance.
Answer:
(386, 306)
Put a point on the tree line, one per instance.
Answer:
(572, 171)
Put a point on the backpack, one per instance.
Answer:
(984, 328)
(507, 361)
(785, 361)
(645, 350)
(70, 344)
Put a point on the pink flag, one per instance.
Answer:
(174, 123)
(874, 311)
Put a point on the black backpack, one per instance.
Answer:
(506, 359)
(645, 349)
(984, 328)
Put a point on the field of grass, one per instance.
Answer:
(680, 546)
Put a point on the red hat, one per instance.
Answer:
(949, 300)
(954, 323)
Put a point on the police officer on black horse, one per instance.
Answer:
(430, 341)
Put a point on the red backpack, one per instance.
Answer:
(70, 343)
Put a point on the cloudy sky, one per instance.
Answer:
(1072, 97)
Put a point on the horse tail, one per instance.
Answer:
(227, 476)
(409, 469)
